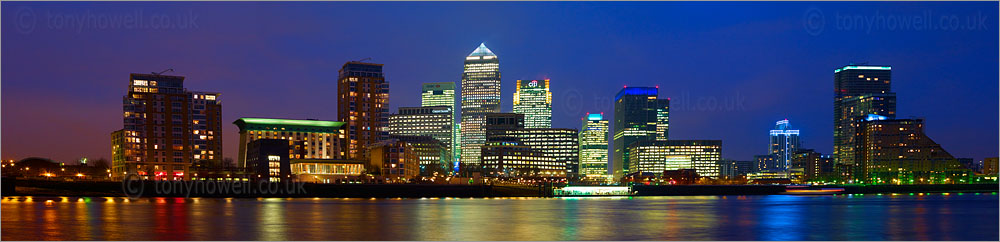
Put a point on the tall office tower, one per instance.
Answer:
(639, 116)
(206, 125)
(307, 139)
(534, 100)
(654, 157)
(784, 143)
(898, 151)
(480, 96)
(430, 121)
(443, 94)
(457, 144)
(594, 145)
(363, 104)
(859, 90)
(438, 94)
(166, 129)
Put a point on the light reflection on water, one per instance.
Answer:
(853, 217)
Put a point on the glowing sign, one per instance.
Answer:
(637, 91)
(595, 116)
(533, 83)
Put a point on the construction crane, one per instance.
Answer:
(164, 71)
(362, 60)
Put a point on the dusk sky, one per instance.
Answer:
(731, 69)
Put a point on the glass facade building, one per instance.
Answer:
(443, 94)
(431, 121)
(639, 116)
(784, 142)
(560, 144)
(438, 94)
(859, 90)
(594, 146)
(510, 160)
(533, 99)
(655, 157)
(480, 96)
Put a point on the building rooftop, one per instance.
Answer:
(482, 51)
(864, 67)
(242, 122)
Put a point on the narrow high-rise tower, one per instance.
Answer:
(594, 145)
(533, 99)
(363, 99)
(784, 142)
(859, 90)
(480, 96)
(443, 94)
(639, 116)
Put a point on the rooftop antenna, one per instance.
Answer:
(362, 60)
(164, 71)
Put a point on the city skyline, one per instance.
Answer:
(913, 81)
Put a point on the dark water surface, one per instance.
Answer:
(952, 216)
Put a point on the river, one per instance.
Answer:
(949, 216)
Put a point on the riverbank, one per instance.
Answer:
(13, 187)
(691, 190)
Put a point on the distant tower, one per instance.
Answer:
(533, 99)
(594, 145)
(639, 116)
(363, 99)
(443, 94)
(480, 96)
(784, 143)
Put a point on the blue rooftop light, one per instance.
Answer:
(886, 68)
(871, 117)
(595, 116)
(636, 91)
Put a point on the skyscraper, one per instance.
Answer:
(534, 100)
(443, 94)
(784, 143)
(859, 90)
(594, 145)
(167, 129)
(363, 99)
(639, 116)
(480, 96)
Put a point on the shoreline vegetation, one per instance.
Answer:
(13, 187)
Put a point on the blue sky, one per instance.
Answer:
(731, 69)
